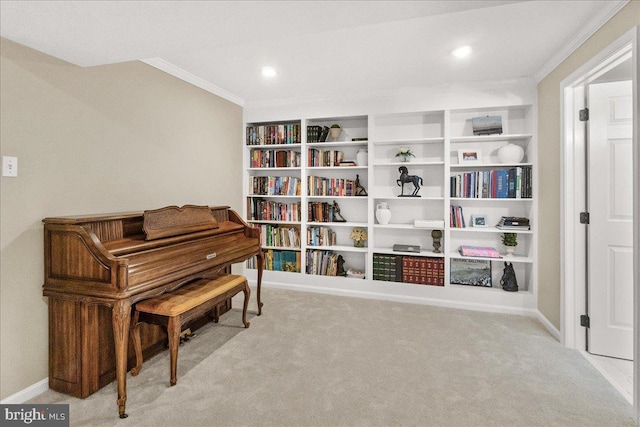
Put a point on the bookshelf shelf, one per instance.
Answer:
(507, 258)
(490, 138)
(337, 224)
(422, 253)
(400, 142)
(436, 139)
(488, 230)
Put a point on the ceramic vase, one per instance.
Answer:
(383, 213)
(362, 157)
(335, 133)
(510, 154)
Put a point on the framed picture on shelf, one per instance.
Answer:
(472, 272)
(469, 156)
(487, 125)
(479, 221)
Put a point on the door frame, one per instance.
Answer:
(573, 263)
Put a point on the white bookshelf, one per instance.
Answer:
(435, 137)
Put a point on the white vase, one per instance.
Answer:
(383, 213)
(510, 250)
(362, 157)
(510, 154)
(335, 133)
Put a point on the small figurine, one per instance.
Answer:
(508, 281)
(405, 178)
(359, 189)
(436, 235)
(340, 263)
(336, 213)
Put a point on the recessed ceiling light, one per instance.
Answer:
(462, 51)
(268, 72)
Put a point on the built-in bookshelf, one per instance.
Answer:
(320, 187)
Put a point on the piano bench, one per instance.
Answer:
(177, 308)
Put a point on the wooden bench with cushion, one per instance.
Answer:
(175, 309)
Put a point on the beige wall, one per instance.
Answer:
(549, 156)
(89, 140)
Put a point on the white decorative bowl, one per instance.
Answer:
(510, 153)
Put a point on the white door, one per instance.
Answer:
(610, 247)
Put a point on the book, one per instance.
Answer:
(479, 251)
(513, 223)
(423, 270)
(347, 163)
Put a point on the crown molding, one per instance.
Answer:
(186, 76)
(594, 25)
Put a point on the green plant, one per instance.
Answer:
(510, 239)
(335, 126)
(404, 152)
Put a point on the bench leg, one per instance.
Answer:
(137, 345)
(173, 331)
(247, 294)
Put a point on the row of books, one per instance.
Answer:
(324, 263)
(274, 185)
(324, 158)
(317, 133)
(275, 159)
(456, 217)
(320, 212)
(280, 236)
(276, 260)
(513, 183)
(321, 236)
(408, 269)
(269, 210)
(320, 186)
(273, 134)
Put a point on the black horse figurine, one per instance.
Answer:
(405, 178)
(508, 281)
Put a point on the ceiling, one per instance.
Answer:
(317, 47)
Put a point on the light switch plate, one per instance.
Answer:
(9, 166)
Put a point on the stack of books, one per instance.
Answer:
(423, 270)
(387, 267)
(513, 223)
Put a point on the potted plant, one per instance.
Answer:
(359, 236)
(334, 131)
(404, 154)
(510, 241)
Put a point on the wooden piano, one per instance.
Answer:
(98, 266)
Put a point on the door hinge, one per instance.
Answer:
(584, 217)
(584, 115)
(584, 320)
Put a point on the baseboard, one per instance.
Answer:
(607, 376)
(547, 324)
(28, 393)
(464, 305)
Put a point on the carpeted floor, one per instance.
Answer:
(323, 360)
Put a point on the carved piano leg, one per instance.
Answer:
(137, 345)
(247, 294)
(120, 317)
(173, 330)
(259, 285)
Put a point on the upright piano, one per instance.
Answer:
(98, 266)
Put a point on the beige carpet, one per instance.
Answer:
(322, 360)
